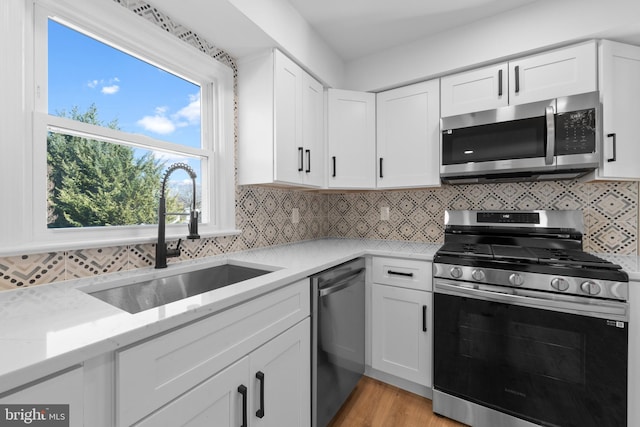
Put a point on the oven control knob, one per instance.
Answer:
(591, 288)
(477, 275)
(559, 284)
(516, 280)
(456, 272)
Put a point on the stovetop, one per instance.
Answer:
(539, 250)
(533, 255)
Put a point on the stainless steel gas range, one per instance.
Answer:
(528, 328)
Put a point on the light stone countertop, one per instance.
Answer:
(49, 328)
(45, 329)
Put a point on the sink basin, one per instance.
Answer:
(154, 293)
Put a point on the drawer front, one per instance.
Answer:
(155, 372)
(406, 273)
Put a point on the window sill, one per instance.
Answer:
(61, 245)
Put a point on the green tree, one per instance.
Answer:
(98, 183)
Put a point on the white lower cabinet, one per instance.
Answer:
(62, 389)
(165, 375)
(401, 319)
(400, 344)
(234, 396)
(285, 365)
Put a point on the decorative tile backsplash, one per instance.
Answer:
(610, 210)
(265, 214)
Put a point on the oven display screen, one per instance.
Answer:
(508, 218)
(546, 367)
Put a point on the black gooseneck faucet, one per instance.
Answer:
(162, 253)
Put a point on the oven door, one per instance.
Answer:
(509, 354)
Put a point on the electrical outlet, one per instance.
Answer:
(295, 216)
(384, 213)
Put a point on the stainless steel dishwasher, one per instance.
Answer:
(337, 352)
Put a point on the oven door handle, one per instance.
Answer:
(595, 308)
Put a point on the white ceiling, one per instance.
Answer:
(351, 28)
(357, 28)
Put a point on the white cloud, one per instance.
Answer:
(159, 124)
(190, 112)
(107, 87)
(162, 124)
(110, 90)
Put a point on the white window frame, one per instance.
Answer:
(113, 24)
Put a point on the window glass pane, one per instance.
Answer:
(99, 183)
(130, 94)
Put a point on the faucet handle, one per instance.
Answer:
(193, 225)
(174, 252)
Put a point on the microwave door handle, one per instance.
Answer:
(551, 135)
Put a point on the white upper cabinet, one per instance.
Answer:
(620, 96)
(477, 90)
(408, 124)
(561, 72)
(351, 139)
(281, 122)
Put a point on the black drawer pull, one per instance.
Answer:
(260, 377)
(499, 82)
(381, 168)
(517, 70)
(308, 170)
(301, 160)
(424, 318)
(243, 391)
(612, 135)
(399, 273)
(334, 167)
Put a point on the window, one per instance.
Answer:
(118, 100)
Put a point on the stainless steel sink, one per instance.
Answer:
(157, 292)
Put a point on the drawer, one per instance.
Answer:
(406, 273)
(153, 373)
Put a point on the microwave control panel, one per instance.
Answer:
(576, 132)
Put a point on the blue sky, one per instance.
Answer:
(143, 98)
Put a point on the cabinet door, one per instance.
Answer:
(400, 345)
(218, 401)
(63, 389)
(313, 131)
(288, 150)
(281, 378)
(476, 90)
(552, 74)
(352, 139)
(620, 92)
(408, 124)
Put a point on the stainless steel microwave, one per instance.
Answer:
(553, 139)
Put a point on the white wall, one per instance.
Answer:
(537, 26)
(280, 21)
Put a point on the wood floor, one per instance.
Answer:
(376, 404)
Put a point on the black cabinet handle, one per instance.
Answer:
(399, 273)
(308, 161)
(334, 166)
(381, 167)
(499, 82)
(424, 318)
(301, 161)
(243, 391)
(517, 78)
(260, 377)
(612, 135)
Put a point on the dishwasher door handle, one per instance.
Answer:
(340, 285)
